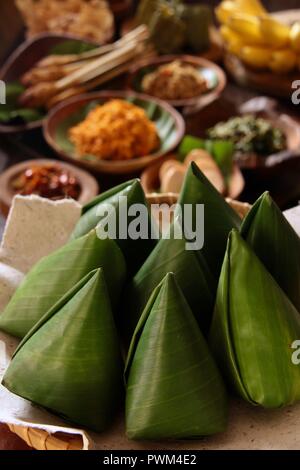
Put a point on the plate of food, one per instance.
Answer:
(48, 179)
(261, 140)
(262, 49)
(113, 132)
(13, 116)
(214, 159)
(182, 80)
(50, 68)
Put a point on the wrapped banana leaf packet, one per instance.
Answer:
(171, 334)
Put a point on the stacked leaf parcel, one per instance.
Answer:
(194, 320)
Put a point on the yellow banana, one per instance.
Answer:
(225, 10)
(252, 7)
(234, 43)
(283, 61)
(256, 57)
(248, 27)
(274, 33)
(295, 37)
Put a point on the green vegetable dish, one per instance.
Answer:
(250, 135)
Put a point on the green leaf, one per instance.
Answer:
(135, 251)
(192, 275)
(276, 244)
(219, 217)
(53, 276)
(71, 362)
(72, 47)
(221, 150)
(10, 112)
(174, 389)
(253, 330)
(13, 91)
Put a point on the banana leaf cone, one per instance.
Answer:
(192, 275)
(174, 389)
(219, 217)
(70, 362)
(53, 276)
(276, 244)
(135, 251)
(253, 330)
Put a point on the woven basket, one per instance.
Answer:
(41, 440)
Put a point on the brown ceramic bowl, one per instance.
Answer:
(22, 60)
(215, 77)
(169, 123)
(89, 186)
(291, 130)
(151, 182)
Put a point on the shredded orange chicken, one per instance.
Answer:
(117, 130)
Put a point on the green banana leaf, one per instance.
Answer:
(174, 389)
(219, 217)
(135, 251)
(54, 275)
(276, 244)
(70, 363)
(253, 330)
(192, 274)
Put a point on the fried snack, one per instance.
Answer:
(90, 19)
(117, 130)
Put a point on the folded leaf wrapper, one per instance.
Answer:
(219, 217)
(54, 275)
(253, 330)
(276, 244)
(192, 275)
(70, 363)
(174, 389)
(135, 251)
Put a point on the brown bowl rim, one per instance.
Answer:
(191, 59)
(12, 59)
(89, 185)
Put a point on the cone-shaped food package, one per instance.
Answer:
(254, 330)
(53, 276)
(276, 244)
(120, 206)
(192, 275)
(174, 388)
(70, 362)
(219, 217)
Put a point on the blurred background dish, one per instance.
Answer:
(92, 20)
(212, 75)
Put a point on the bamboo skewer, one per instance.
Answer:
(70, 92)
(140, 33)
(92, 73)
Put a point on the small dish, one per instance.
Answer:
(267, 108)
(214, 75)
(88, 184)
(22, 60)
(151, 182)
(169, 123)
